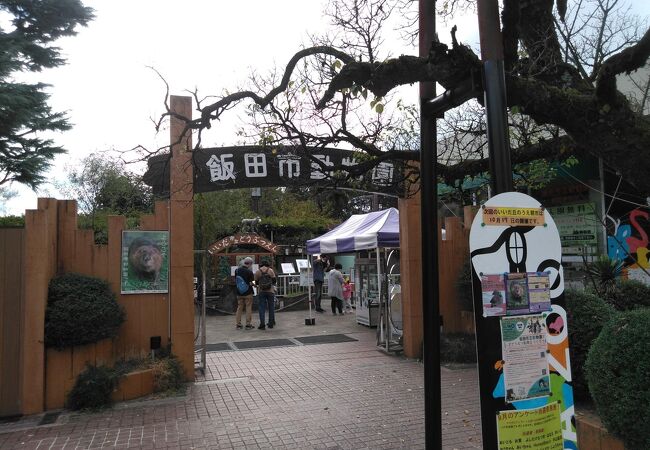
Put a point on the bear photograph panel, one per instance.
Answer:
(145, 262)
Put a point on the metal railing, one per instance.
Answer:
(287, 285)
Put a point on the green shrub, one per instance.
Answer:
(617, 370)
(628, 294)
(457, 348)
(603, 274)
(586, 314)
(12, 222)
(80, 310)
(93, 388)
(168, 375)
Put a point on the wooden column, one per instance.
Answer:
(410, 231)
(39, 267)
(181, 237)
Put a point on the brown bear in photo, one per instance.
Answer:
(145, 258)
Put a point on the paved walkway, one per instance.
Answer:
(329, 396)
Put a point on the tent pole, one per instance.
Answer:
(381, 323)
(385, 267)
(309, 285)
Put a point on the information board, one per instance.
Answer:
(522, 355)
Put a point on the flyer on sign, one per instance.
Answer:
(531, 429)
(493, 288)
(539, 291)
(523, 346)
(517, 294)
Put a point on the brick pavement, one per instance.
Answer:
(330, 396)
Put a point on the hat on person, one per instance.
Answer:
(247, 261)
(264, 264)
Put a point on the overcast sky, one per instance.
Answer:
(110, 94)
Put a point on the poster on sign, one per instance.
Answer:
(516, 294)
(525, 368)
(493, 288)
(145, 262)
(531, 429)
(539, 291)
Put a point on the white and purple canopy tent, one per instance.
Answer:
(372, 231)
(379, 229)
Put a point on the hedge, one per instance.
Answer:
(628, 294)
(80, 310)
(93, 388)
(617, 370)
(587, 314)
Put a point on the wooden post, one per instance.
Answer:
(39, 267)
(181, 237)
(410, 266)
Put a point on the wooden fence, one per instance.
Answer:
(32, 378)
(11, 304)
(146, 314)
(453, 251)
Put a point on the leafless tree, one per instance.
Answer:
(562, 71)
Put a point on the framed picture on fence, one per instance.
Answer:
(145, 262)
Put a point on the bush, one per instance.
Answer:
(628, 294)
(93, 388)
(603, 273)
(80, 310)
(617, 370)
(587, 314)
(457, 348)
(168, 375)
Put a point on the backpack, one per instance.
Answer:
(265, 282)
(242, 286)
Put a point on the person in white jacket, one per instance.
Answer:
(335, 288)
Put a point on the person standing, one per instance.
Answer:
(265, 281)
(335, 288)
(320, 265)
(347, 295)
(245, 299)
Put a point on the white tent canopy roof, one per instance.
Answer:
(359, 232)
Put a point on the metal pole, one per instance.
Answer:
(379, 310)
(309, 285)
(602, 249)
(386, 299)
(488, 333)
(495, 96)
(429, 221)
(203, 336)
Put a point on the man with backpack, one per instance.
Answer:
(243, 285)
(265, 280)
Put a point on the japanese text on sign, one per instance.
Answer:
(513, 216)
(538, 429)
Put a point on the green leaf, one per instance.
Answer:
(379, 107)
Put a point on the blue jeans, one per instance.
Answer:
(266, 299)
